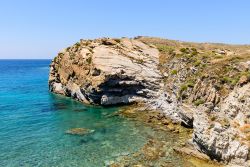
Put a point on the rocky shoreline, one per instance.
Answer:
(181, 80)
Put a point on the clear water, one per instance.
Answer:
(33, 122)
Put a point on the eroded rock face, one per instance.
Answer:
(106, 71)
(225, 138)
(122, 71)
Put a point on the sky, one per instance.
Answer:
(39, 29)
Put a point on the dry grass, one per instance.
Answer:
(215, 61)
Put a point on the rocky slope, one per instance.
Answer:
(209, 83)
(201, 86)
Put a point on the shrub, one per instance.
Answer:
(165, 49)
(174, 72)
(213, 118)
(199, 102)
(229, 80)
(194, 51)
(218, 56)
(197, 63)
(68, 48)
(184, 50)
(190, 84)
(77, 45)
(140, 61)
(89, 60)
(183, 88)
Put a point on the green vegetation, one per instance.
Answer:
(192, 51)
(55, 59)
(68, 48)
(190, 83)
(222, 71)
(246, 73)
(140, 61)
(184, 50)
(213, 118)
(77, 45)
(197, 63)
(174, 72)
(60, 54)
(165, 49)
(230, 80)
(199, 102)
(218, 56)
(89, 60)
(183, 88)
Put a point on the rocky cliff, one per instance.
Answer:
(107, 71)
(201, 86)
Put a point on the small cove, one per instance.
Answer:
(33, 123)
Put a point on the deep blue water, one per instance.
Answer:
(33, 123)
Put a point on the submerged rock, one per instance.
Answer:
(79, 131)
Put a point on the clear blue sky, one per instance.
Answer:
(40, 28)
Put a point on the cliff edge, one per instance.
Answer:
(106, 71)
(201, 86)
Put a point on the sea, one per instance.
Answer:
(34, 122)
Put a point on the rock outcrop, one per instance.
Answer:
(106, 71)
(192, 87)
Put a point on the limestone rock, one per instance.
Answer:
(243, 80)
(244, 66)
(123, 71)
(106, 71)
(225, 139)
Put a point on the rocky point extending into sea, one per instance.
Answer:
(204, 87)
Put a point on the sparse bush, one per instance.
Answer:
(68, 48)
(117, 40)
(218, 56)
(140, 61)
(199, 102)
(213, 118)
(174, 72)
(197, 63)
(184, 50)
(77, 45)
(165, 49)
(183, 88)
(194, 52)
(190, 84)
(89, 60)
(229, 80)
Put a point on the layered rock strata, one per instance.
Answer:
(106, 71)
(123, 71)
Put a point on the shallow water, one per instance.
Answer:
(33, 123)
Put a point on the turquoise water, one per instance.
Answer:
(33, 122)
